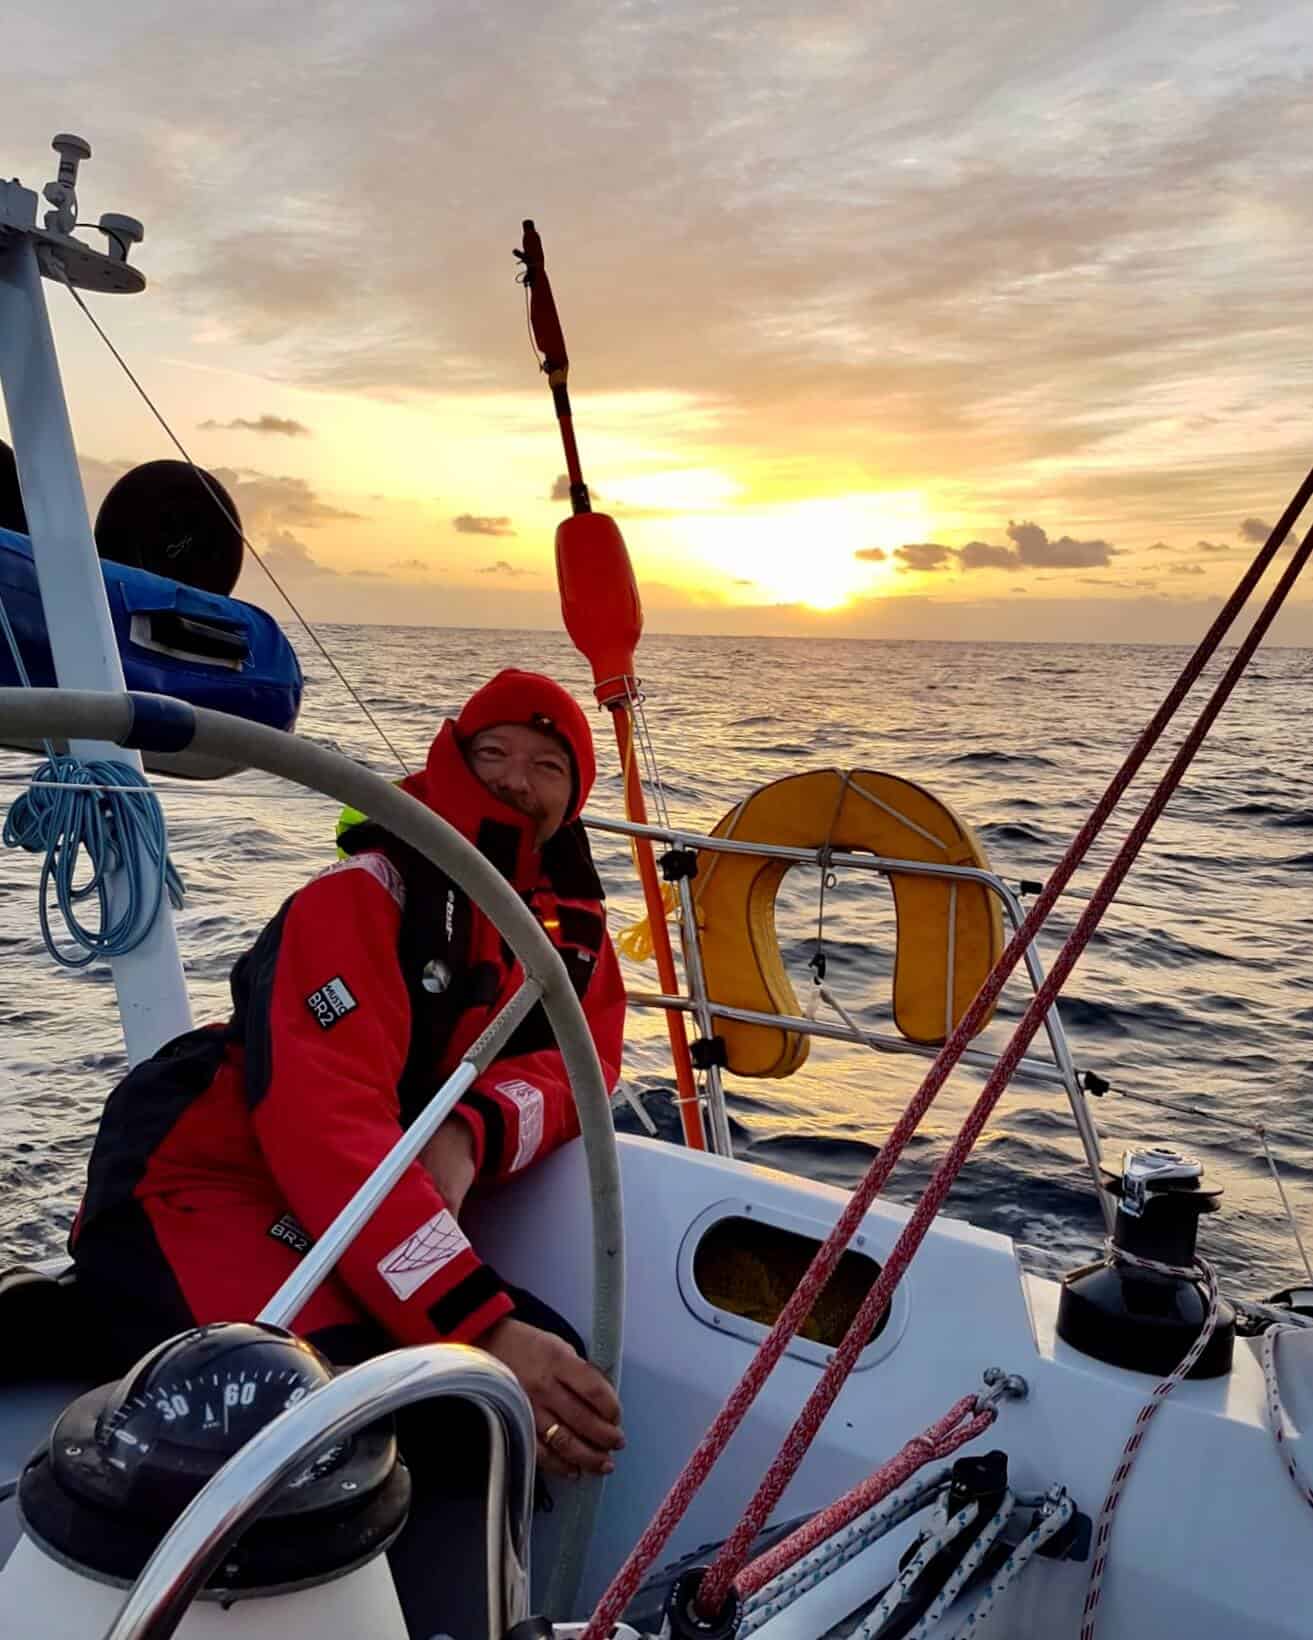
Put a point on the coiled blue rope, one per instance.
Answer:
(108, 809)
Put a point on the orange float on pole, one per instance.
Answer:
(603, 615)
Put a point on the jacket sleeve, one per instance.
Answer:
(521, 1108)
(327, 1037)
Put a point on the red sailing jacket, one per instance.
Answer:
(237, 1145)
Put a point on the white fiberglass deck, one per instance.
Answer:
(1208, 1492)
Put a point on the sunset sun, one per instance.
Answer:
(822, 554)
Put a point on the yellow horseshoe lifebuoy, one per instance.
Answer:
(950, 933)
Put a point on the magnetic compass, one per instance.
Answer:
(203, 1396)
(127, 1458)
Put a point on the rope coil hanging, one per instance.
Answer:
(107, 811)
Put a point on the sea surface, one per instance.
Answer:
(1197, 990)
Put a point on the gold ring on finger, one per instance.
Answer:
(550, 1434)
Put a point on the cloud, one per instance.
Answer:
(925, 556)
(267, 502)
(1254, 529)
(1031, 549)
(1159, 546)
(288, 558)
(561, 488)
(871, 555)
(981, 555)
(1186, 569)
(1036, 550)
(263, 424)
(501, 567)
(1211, 546)
(470, 524)
(418, 565)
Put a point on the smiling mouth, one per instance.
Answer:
(522, 805)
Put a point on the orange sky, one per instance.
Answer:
(890, 320)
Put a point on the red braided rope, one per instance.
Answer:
(960, 1424)
(772, 1347)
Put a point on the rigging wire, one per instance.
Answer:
(218, 501)
(647, 746)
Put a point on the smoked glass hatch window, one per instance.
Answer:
(749, 1268)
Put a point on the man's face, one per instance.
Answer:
(527, 770)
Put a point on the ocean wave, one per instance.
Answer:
(1013, 832)
(1277, 816)
(1002, 760)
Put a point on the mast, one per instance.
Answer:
(152, 992)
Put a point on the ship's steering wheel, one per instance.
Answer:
(153, 722)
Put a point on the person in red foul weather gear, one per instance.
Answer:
(220, 1160)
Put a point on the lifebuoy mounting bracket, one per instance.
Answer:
(709, 1051)
(677, 864)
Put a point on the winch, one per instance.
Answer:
(1122, 1312)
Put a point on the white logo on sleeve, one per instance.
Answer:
(330, 1003)
(529, 1102)
(410, 1264)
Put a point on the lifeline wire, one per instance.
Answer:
(218, 501)
(677, 1500)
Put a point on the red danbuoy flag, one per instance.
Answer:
(599, 599)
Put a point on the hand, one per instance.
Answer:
(448, 1159)
(570, 1397)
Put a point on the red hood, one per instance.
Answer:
(528, 697)
(448, 785)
